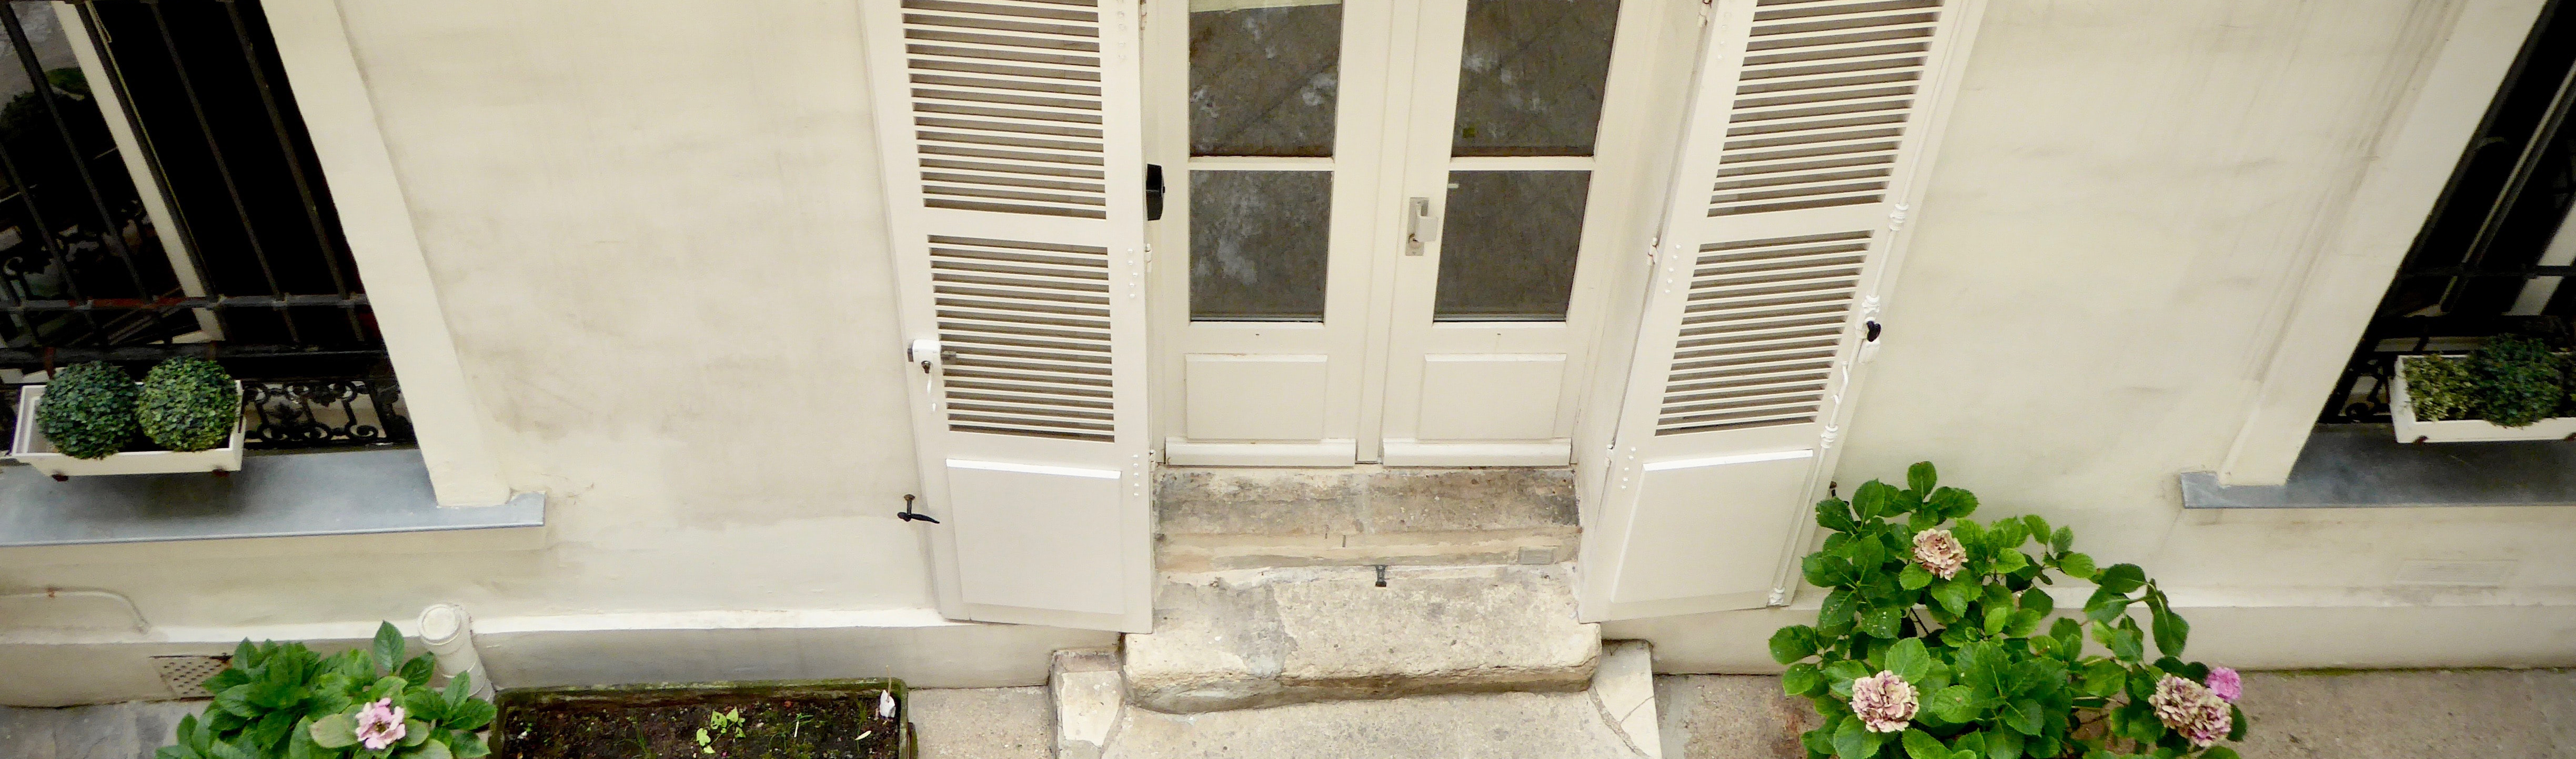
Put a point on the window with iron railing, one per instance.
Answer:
(162, 198)
(2492, 257)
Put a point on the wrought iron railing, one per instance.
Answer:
(164, 199)
(2482, 264)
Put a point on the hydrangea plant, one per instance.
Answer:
(87, 410)
(1930, 643)
(286, 702)
(189, 404)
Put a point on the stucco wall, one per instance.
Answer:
(2119, 215)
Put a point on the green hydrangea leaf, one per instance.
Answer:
(1921, 477)
(1802, 679)
(1792, 643)
(472, 714)
(1921, 745)
(1915, 577)
(335, 731)
(2121, 578)
(1852, 740)
(1909, 659)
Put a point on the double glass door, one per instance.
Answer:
(1382, 240)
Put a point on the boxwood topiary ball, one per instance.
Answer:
(189, 404)
(2518, 380)
(87, 411)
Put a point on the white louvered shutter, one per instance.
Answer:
(1806, 144)
(1015, 205)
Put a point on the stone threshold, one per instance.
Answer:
(1225, 518)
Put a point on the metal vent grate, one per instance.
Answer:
(1822, 103)
(1006, 103)
(1759, 331)
(187, 675)
(1024, 333)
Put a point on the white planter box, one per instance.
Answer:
(32, 448)
(2409, 430)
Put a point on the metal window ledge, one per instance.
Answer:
(2363, 465)
(277, 495)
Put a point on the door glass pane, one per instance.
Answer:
(1263, 76)
(1257, 244)
(1507, 249)
(1530, 76)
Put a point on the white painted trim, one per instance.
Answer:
(1522, 162)
(338, 112)
(1066, 471)
(1330, 452)
(1724, 460)
(2354, 253)
(1258, 163)
(1400, 452)
(129, 148)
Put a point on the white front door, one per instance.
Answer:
(1376, 245)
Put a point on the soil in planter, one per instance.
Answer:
(665, 726)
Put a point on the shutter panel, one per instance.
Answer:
(1806, 142)
(1013, 171)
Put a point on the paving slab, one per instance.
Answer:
(131, 730)
(1465, 726)
(984, 723)
(1247, 639)
(2383, 714)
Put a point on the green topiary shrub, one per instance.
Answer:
(189, 404)
(2439, 388)
(88, 410)
(2518, 380)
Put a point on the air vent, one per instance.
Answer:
(1006, 103)
(1825, 94)
(1024, 333)
(1759, 332)
(187, 675)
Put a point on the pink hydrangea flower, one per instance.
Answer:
(1940, 553)
(380, 724)
(2226, 683)
(2192, 710)
(1884, 702)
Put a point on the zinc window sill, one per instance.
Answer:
(2363, 466)
(275, 495)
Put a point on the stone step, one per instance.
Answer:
(1221, 518)
(1255, 638)
(1614, 718)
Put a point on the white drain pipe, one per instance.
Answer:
(449, 633)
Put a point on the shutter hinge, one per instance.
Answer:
(1779, 597)
(1896, 218)
(1704, 10)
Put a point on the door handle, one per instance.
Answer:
(1419, 226)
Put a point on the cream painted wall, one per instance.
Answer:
(658, 243)
(2116, 223)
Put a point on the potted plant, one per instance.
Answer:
(1930, 645)
(856, 719)
(286, 701)
(2511, 388)
(84, 420)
